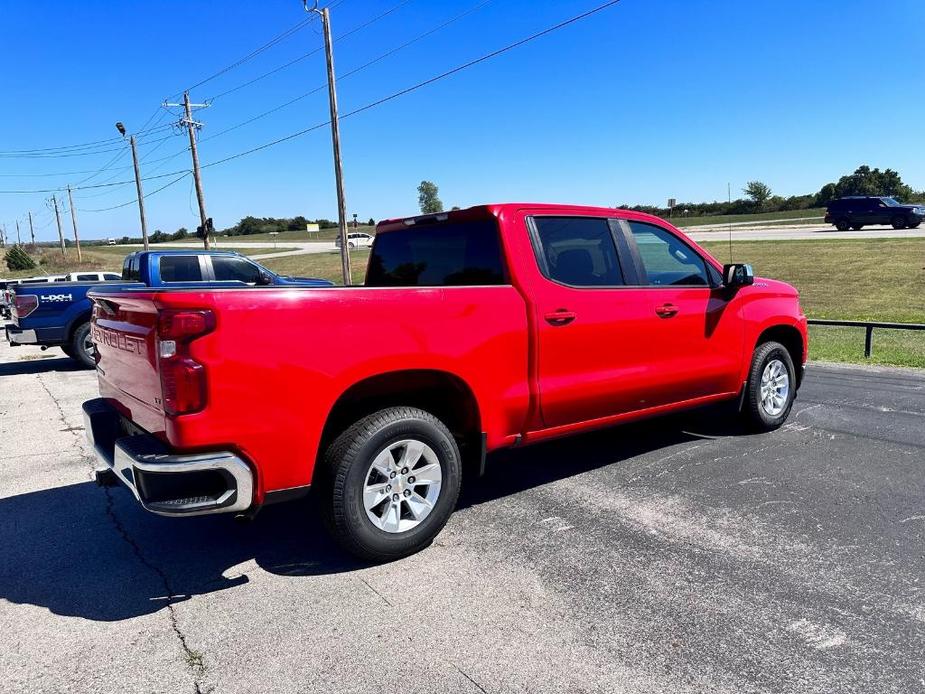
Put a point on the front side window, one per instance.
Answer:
(180, 268)
(111, 276)
(87, 278)
(578, 251)
(437, 255)
(235, 270)
(667, 260)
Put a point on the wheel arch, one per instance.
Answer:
(790, 338)
(441, 393)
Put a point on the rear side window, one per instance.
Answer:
(87, 278)
(668, 261)
(437, 255)
(235, 269)
(111, 276)
(578, 251)
(180, 268)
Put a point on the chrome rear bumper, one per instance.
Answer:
(163, 482)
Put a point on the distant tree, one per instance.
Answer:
(297, 223)
(758, 192)
(427, 198)
(455, 207)
(179, 234)
(17, 259)
(867, 181)
(371, 222)
(158, 236)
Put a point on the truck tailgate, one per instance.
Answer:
(124, 330)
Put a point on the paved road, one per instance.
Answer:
(678, 556)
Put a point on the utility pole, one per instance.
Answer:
(192, 126)
(141, 195)
(31, 228)
(3, 237)
(70, 201)
(58, 218)
(18, 239)
(335, 140)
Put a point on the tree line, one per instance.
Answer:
(760, 198)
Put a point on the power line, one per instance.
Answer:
(253, 54)
(370, 63)
(310, 53)
(86, 149)
(134, 200)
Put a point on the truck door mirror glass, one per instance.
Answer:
(264, 279)
(738, 275)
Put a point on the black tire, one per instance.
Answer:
(898, 222)
(914, 225)
(345, 471)
(842, 224)
(81, 347)
(857, 227)
(757, 415)
(68, 351)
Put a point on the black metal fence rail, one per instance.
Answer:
(869, 327)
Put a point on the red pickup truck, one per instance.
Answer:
(475, 330)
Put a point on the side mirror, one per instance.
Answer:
(738, 275)
(264, 279)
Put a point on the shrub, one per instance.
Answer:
(17, 259)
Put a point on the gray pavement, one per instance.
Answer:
(675, 556)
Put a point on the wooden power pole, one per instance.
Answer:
(335, 140)
(141, 195)
(31, 228)
(192, 127)
(54, 200)
(18, 239)
(70, 201)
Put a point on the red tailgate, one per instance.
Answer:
(124, 330)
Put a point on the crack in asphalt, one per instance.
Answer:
(193, 658)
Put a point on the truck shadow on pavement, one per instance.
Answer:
(83, 551)
(39, 365)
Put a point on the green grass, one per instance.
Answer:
(869, 279)
(323, 235)
(324, 265)
(679, 220)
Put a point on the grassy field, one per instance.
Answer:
(875, 279)
(681, 221)
(283, 236)
(324, 265)
(97, 258)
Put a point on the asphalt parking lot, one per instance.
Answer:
(676, 556)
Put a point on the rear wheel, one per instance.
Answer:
(771, 387)
(842, 224)
(389, 483)
(857, 227)
(81, 347)
(68, 351)
(899, 222)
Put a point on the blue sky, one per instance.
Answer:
(646, 100)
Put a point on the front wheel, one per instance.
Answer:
(389, 483)
(771, 387)
(857, 227)
(842, 224)
(81, 347)
(899, 222)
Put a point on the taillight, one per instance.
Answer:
(183, 379)
(25, 304)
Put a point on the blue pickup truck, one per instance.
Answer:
(57, 314)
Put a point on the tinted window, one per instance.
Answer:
(87, 278)
(436, 255)
(578, 251)
(235, 269)
(180, 268)
(111, 276)
(667, 259)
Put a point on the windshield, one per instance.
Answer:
(890, 202)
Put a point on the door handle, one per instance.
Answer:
(666, 311)
(560, 317)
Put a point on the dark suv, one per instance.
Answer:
(858, 211)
